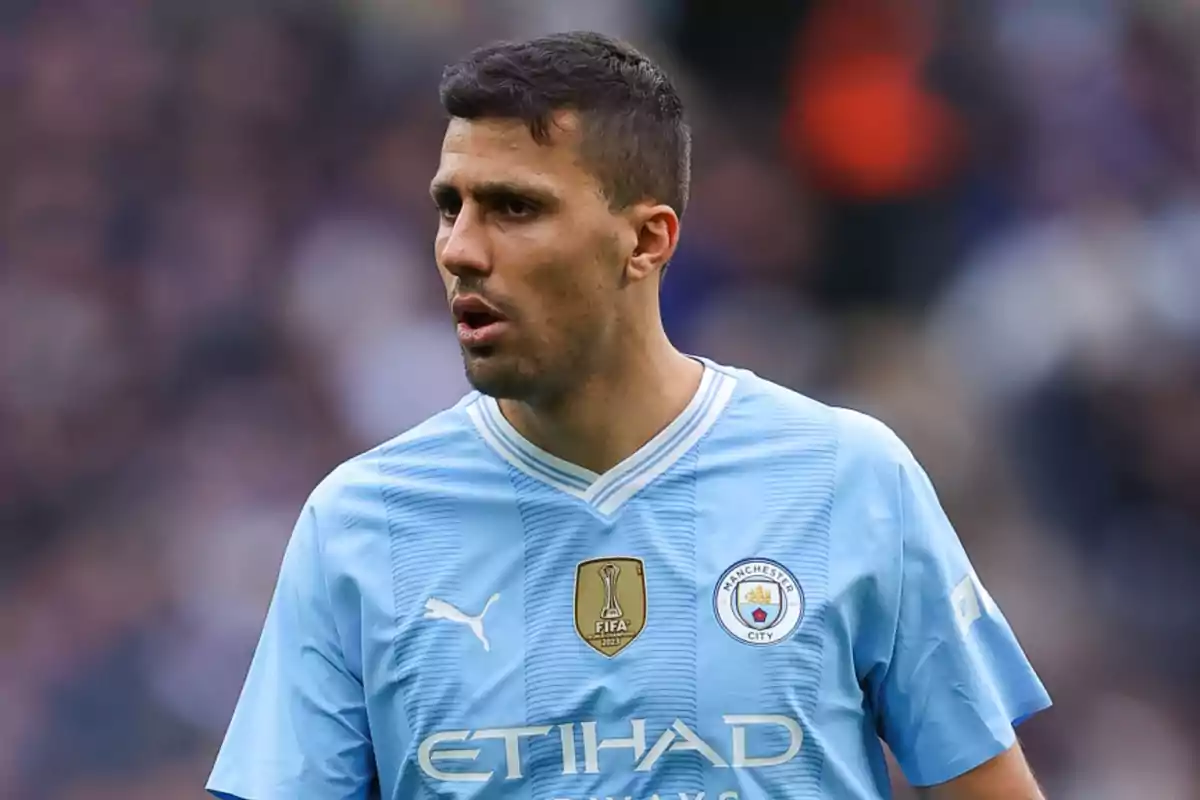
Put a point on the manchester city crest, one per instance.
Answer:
(759, 602)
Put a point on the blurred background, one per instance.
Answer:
(979, 221)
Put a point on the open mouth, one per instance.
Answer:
(478, 319)
(479, 325)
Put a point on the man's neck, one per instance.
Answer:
(609, 417)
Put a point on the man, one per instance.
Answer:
(615, 570)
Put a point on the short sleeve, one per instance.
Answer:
(300, 726)
(957, 682)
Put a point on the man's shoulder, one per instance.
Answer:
(774, 413)
(438, 448)
(867, 441)
(759, 403)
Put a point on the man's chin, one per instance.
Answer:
(496, 376)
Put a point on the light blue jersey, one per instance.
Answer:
(738, 611)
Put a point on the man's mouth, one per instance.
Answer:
(479, 323)
(478, 319)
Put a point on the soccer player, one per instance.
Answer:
(615, 570)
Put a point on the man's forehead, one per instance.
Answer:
(489, 150)
(563, 129)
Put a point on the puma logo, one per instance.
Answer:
(440, 609)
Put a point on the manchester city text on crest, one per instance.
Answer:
(759, 602)
(610, 603)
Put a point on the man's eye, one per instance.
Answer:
(449, 209)
(516, 207)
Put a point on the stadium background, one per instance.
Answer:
(976, 220)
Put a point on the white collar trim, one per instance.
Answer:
(608, 492)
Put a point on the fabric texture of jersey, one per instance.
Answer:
(738, 611)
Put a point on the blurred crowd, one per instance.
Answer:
(978, 221)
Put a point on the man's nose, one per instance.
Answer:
(464, 248)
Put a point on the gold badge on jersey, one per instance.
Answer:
(610, 603)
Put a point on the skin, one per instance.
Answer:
(527, 227)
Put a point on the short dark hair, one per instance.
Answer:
(635, 138)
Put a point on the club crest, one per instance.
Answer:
(610, 603)
(759, 602)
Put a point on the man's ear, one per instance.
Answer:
(657, 229)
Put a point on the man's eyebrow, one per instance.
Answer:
(495, 189)
(442, 190)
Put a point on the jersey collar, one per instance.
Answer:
(608, 492)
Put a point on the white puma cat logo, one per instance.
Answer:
(440, 609)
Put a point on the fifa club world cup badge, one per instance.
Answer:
(610, 603)
(759, 602)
